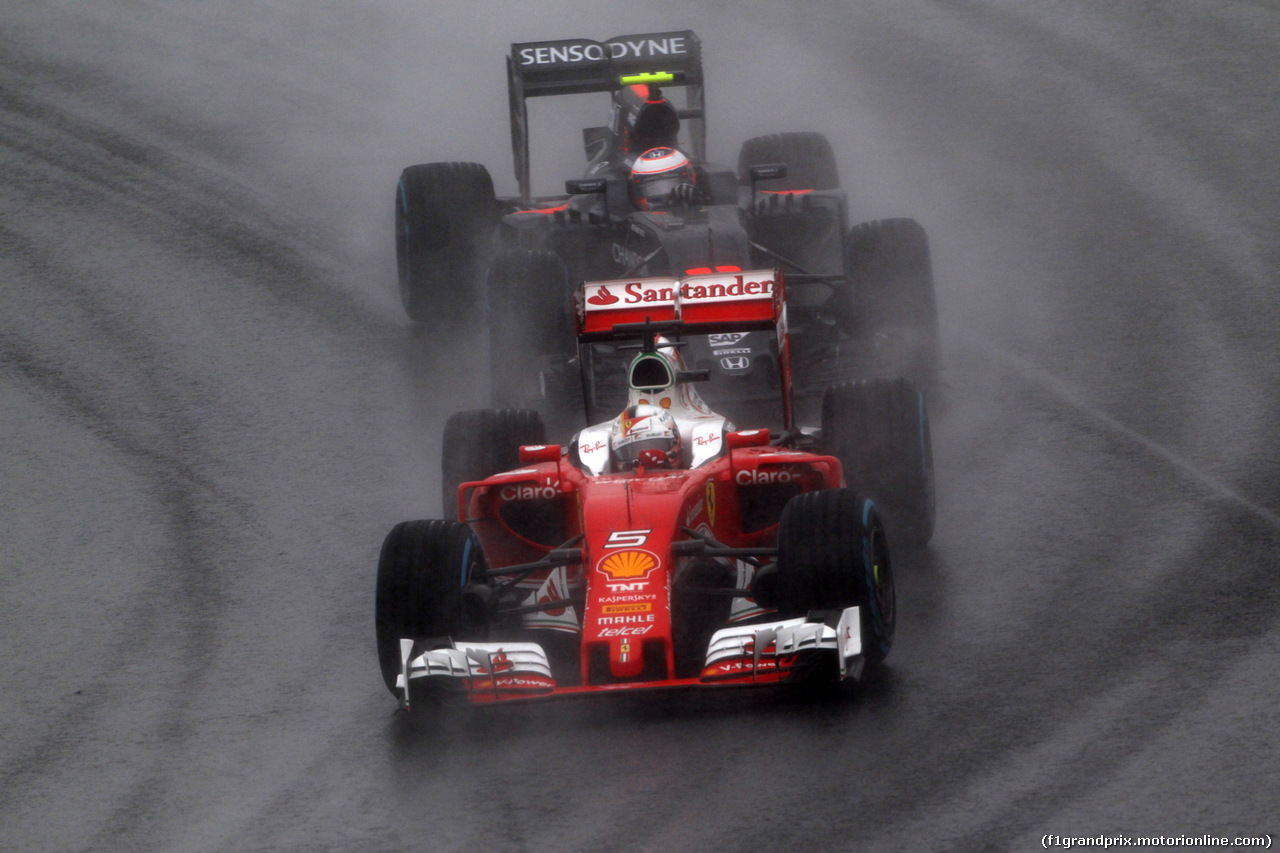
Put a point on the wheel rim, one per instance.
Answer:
(882, 590)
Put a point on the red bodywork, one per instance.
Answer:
(628, 535)
(629, 523)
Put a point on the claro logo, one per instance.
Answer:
(766, 475)
(527, 492)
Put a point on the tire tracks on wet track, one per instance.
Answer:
(135, 400)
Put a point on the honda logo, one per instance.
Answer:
(735, 362)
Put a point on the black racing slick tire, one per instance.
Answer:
(482, 442)
(892, 301)
(445, 218)
(421, 572)
(811, 164)
(879, 430)
(530, 311)
(833, 553)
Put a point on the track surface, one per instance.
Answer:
(213, 410)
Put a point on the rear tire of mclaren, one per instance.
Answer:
(531, 328)
(482, 442)
(892, 306)
(445, 217)
(811, 164)
(833, 553)
(421, 572)
(879, 430)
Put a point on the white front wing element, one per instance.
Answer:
(787, 637)
(502, 667)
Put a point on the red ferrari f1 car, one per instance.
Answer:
(662, 547)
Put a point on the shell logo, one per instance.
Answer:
(628, 564)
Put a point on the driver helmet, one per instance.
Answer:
(644, 434)
(655, 174)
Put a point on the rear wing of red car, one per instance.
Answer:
(574, 66)
(706, 304)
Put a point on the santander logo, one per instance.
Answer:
(661, 291)
(603, 297)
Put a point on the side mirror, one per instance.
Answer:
(533, 453)
(584, 186)
(747, 438)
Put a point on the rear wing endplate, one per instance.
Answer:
(752, 300)
(574, 66)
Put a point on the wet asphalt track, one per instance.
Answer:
(213, 409)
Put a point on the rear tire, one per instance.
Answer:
(421, 572)
(482, 442)
(892, 305)
(833, 553)
(445, 217)
(811, 164)
(530, 309)
(879, 430)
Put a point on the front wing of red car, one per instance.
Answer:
(744, 655)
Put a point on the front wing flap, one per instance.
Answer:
(769, 653)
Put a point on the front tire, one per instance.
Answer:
(421, 572)
(833, 553)
(445, 217)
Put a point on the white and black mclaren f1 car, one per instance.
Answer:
(650, 203)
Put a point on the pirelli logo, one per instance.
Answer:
(638, 607)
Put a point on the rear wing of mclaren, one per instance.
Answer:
(705, 304)
(574, 66)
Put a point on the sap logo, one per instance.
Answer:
(726, 340)
(762, 476)
(527, 492)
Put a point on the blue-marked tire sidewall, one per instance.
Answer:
(878, 632)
